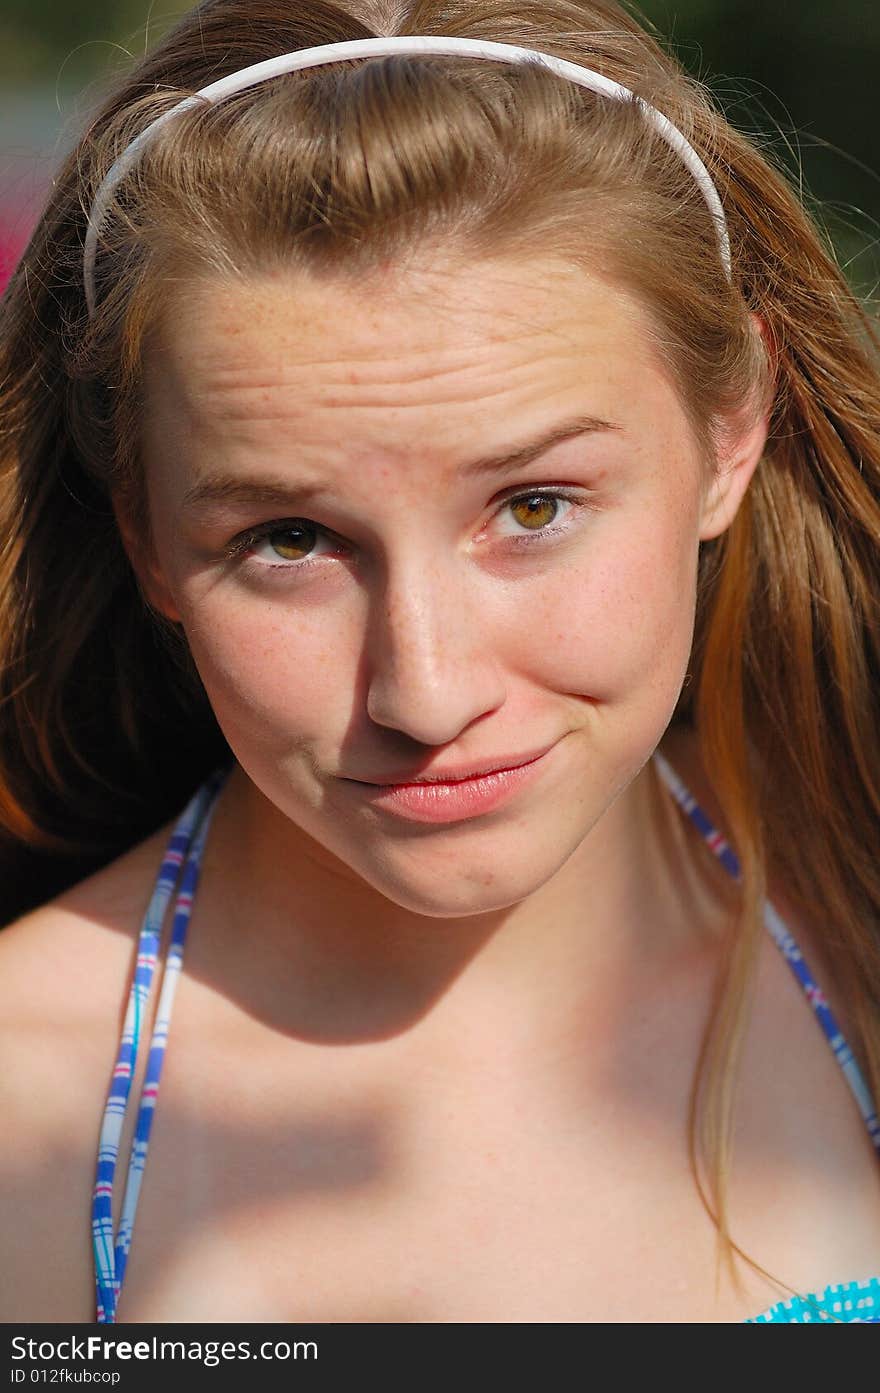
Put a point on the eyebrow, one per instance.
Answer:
(225, 488)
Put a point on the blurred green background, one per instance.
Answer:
(802, 74)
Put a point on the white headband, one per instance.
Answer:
(406, 43)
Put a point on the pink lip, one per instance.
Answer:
(462, 772)
(452, 802)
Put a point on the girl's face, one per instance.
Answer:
(439, 521)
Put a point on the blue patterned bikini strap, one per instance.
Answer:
(182, 859)
(785, 942)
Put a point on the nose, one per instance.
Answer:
(432, 665)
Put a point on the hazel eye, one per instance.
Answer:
(536, 515)
(534, 511)
(292, 542)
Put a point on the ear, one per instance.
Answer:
(150, 578)
(743, 439)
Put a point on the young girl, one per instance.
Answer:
(440, 758)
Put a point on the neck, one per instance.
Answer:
(294, 938)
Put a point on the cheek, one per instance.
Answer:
(268, 666)
(618, 623)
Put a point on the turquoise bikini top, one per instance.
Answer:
(849, 1301)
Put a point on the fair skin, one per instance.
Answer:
(429, 1072)
(423, 638)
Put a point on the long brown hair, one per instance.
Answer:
(339, 170)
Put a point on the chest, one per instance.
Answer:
(367, 1236)
(309, 1187)
(292, 1183)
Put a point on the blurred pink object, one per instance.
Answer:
(14, 235)
(34, 134)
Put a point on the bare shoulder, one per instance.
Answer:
(681, 746)
(795, 1101)
(64, 972)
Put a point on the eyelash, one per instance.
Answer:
(240, 545)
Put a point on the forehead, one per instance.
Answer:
(396, 329)
(400, 376)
